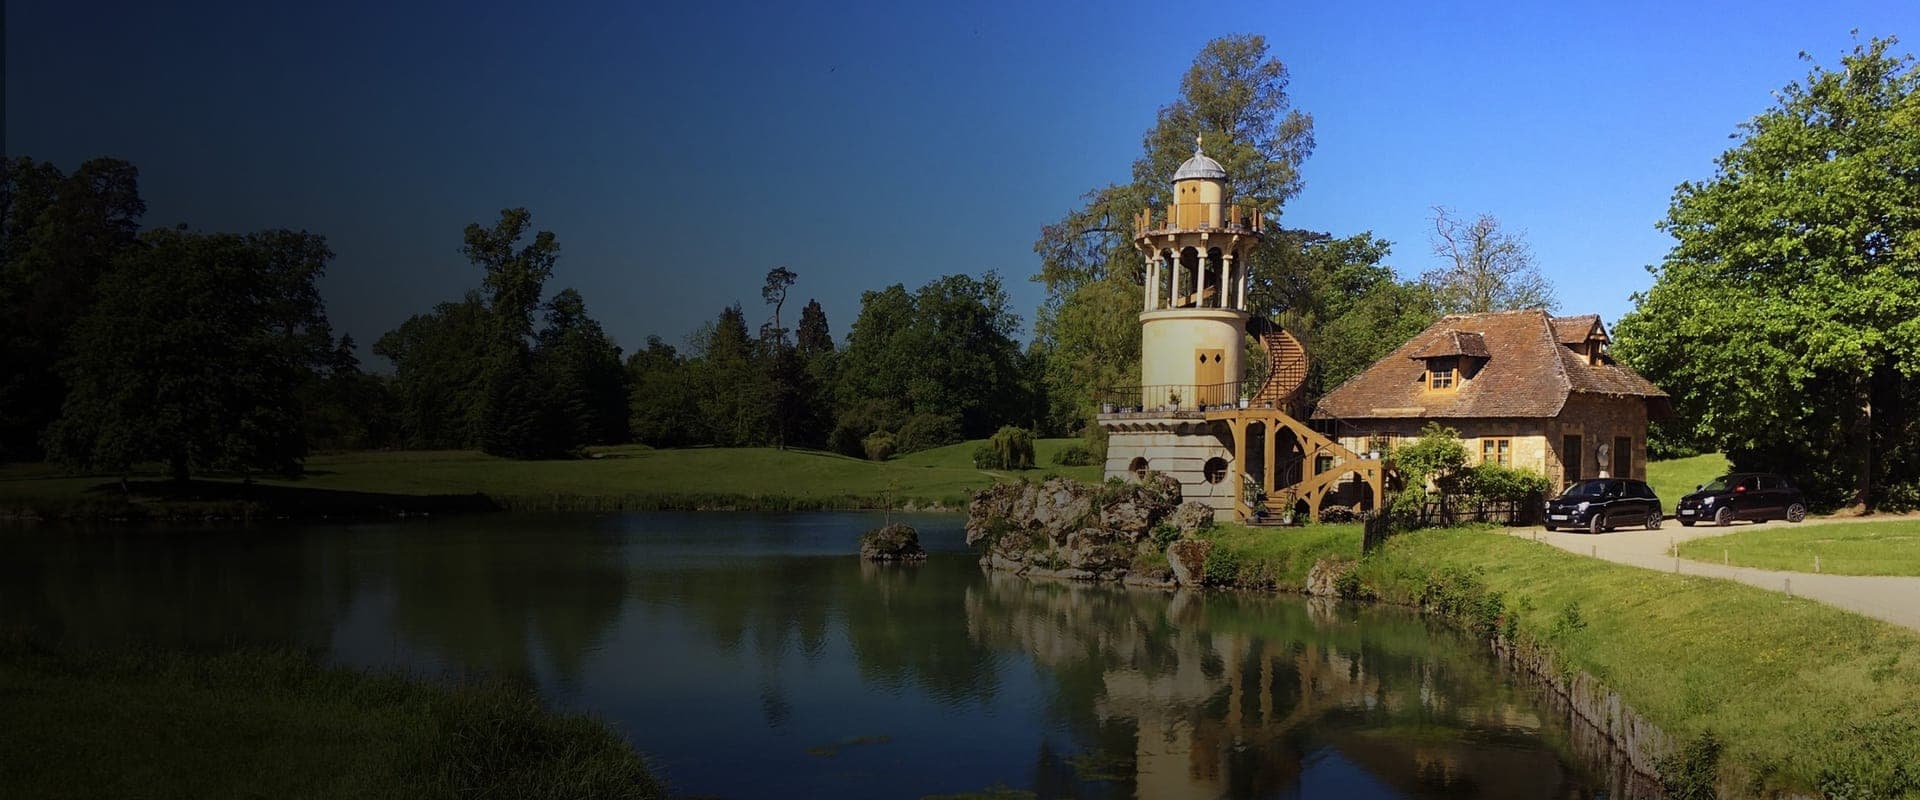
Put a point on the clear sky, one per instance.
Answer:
(680, 150)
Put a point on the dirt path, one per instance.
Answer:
(1893, 599)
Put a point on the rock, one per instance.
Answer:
(1188, 560)
(896, 542)
(1323, 580)
(1161, 490)
(1096, 550)
(1063, 507)
(1192, 517)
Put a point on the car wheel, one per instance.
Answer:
(1723, 517)
(1653, 520)
(1796, 513)
(1594, 525)
(1686, 523)
(1551, 528)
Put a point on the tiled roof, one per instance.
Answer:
(1454, 343)
(1526, 371)
(1574, 330)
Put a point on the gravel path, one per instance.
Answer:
(1893, 599)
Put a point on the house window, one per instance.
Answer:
(1496, 451)
(1440, 373)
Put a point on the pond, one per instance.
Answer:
(751, 655)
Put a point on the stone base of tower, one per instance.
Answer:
(1196, 452)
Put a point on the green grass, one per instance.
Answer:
(613, 478)
(275, 724)
(1676, 477)
(1805, 697)
(1890, 547)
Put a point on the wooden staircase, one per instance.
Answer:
(1286, 384)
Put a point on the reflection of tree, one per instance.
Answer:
(897, 618)
(197, 589)
(487, 602)
(1229, 695)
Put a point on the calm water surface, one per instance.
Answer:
(750, 655)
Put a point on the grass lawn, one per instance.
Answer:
(1675, 477)
(1805, 696)
(632, 477)
(274, 724)
(1890, 547)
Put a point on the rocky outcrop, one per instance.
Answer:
(1187, 558)
(1192, 517)
(1082, 531)
(896, 542)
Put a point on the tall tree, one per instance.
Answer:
(779, 280)
(665, 398)
(1484, 267)
(945, 350)
(514, 419)
(1235, 95)
(185, 357)
(439, 359)
(62, 233)
(581, 370)
(1785, 322)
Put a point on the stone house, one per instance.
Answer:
(1523, 388)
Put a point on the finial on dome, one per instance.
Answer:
(1196, 144)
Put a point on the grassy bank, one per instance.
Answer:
(1673, 478)
(273, 724)
(1890, 547)
(1803, 696)
(630, 478)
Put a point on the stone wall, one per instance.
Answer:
(1537, 443)
(1180, 449)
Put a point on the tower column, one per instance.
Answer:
(1153, 283)
(1175, 262)
(1229, 284)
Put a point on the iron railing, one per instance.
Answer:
(1174, 397)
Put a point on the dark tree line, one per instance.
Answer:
(920, 369)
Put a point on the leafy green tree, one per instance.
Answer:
(581, 370)
(665, 400)
(1484, 267)
(348, 409)
(1335, 294)
(438, 359)
(1785, 322)
(946, 350)
(187, 356)
(1235, 95)
(514, 421)
(734, 394)
(62, 233)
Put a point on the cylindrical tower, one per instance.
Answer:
(1193, 327)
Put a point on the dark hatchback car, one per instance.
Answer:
(1602, 504)
(1756, 496)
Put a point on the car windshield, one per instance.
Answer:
(1719, 484)
(1586, 489)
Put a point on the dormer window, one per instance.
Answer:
(1441, 373)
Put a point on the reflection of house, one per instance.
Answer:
(1522, 388)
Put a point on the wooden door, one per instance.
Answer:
(1210, 377)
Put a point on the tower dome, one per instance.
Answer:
(1200, 167)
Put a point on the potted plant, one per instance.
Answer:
(1106, 408)
(1173, 401)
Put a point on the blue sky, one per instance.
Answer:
(681, 150)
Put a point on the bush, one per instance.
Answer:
(879, 446)
(1010, 448)
(927, 431)
(846, 440)
(983, 457)
(1074, 455)
(1494, 482)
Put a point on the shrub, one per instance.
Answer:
(879, 446)
(1074, 455)
(1164, 535)
(1223, 567)
(1335, 514)
(1494, 482)
(1012, 448)
(983, 457)
(927, 431)
(846, 440)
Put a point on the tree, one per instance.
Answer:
(581, 370)
(186, 356)
(1235, 95)
(62, 233)
(665, 399)
(946, 349)
(514, 420)
(439, 359)
(1335, 294)
(1785, 321)
(1483, 267)
(779, 280)
(348, 409)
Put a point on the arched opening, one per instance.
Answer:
(1215, 469)
(1191, 274)
(1138, 468)
(1213, 290)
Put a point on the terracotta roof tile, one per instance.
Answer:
(1525, 371)
(1574, 330)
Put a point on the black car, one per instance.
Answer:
(1756, 496)
(1602, 504)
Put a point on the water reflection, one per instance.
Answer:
(751, 655)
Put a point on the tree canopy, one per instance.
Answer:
(1484, 267)
(1785, 321)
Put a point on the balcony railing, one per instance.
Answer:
(1165, 398)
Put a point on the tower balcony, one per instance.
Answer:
(1206, 218)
